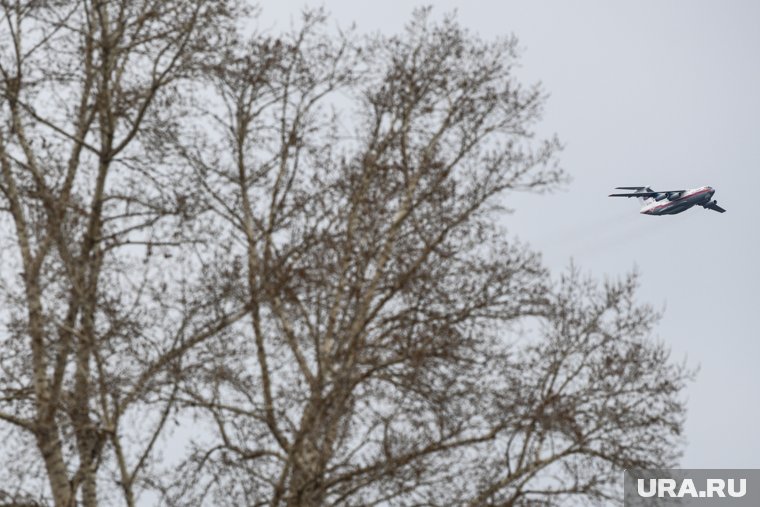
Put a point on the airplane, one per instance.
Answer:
(671, 202)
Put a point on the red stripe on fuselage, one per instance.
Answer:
(677, 201)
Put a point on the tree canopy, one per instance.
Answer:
(272, 269)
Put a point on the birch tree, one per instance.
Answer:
(86, 91)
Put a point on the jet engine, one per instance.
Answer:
(672, 196)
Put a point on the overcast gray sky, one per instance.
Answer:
(661, 93)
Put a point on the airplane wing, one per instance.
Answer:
(648, 193)
(713, 206)
(636, 194)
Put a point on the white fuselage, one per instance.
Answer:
(676, 204)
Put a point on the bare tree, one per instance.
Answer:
(290, 247)
(360, 184)
(86, 90)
